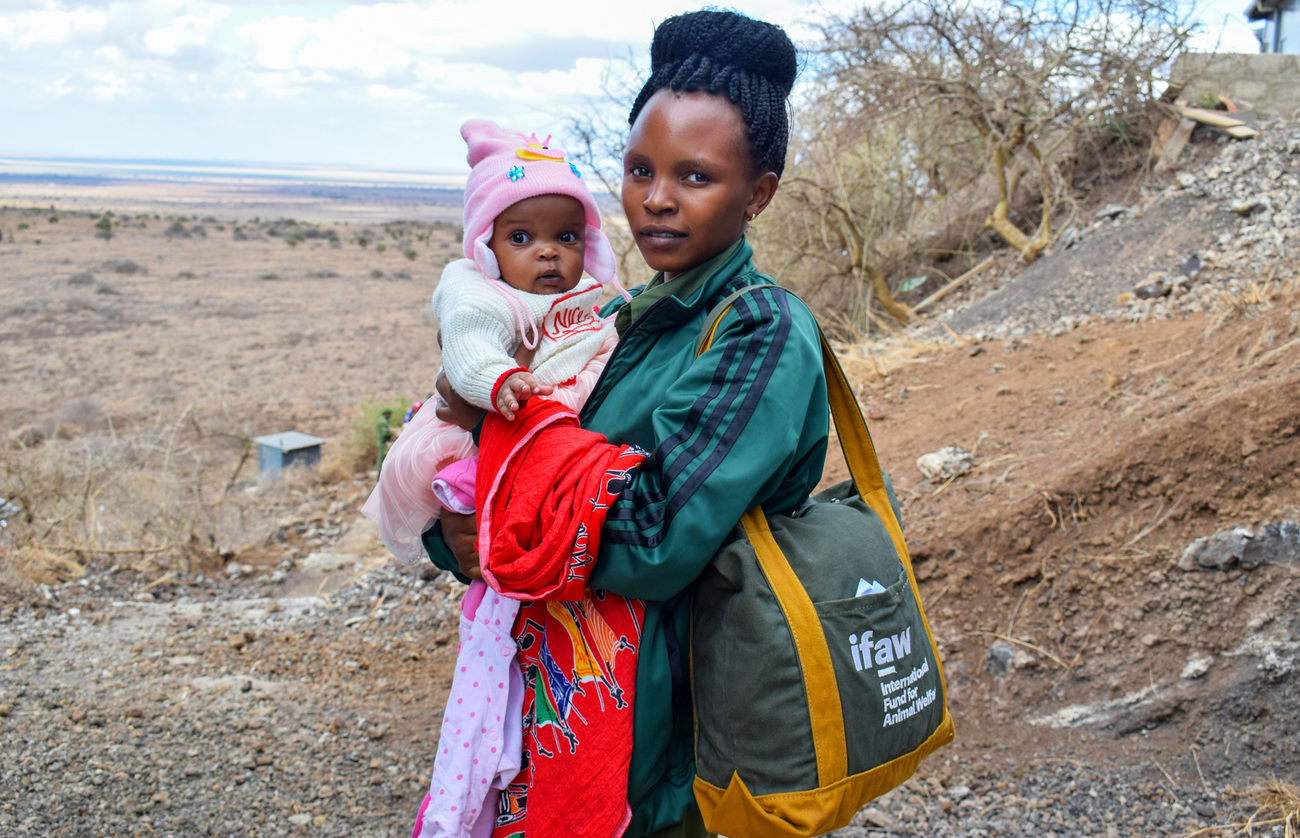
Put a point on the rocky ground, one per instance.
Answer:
(1133, 391)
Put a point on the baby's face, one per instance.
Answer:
(539, 244)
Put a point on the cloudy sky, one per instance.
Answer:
(371, 83)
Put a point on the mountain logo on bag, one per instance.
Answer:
(883, 653)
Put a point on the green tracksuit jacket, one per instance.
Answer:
(743, 425)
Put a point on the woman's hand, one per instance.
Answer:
(461, 534)
(453, 409)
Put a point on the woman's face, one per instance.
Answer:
(687, 181)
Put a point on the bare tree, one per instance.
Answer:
(600, 132)
(1003, 87)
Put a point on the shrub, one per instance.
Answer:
(358, 452)
(161, 496)
(124, 266)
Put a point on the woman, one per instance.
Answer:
(745, 424)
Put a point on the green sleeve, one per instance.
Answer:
(745, 424)
(439, 553)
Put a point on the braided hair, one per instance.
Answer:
(751, 63)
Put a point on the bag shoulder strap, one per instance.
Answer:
(850, 426)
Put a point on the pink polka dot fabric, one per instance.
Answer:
(481, 743)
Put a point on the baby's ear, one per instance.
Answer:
(598, 256)
(485, 139)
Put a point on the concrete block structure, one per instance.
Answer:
(1267, 83)
(277, 452)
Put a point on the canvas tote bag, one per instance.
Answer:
(816, 682)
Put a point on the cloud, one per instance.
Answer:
(541, 54)
(371, 82)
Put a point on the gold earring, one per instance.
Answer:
(751, 216)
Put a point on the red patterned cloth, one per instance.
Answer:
(545, 486)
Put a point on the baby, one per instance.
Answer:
(531, 230)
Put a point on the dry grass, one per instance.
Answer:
(166, 496)
(1276, 804)
(875, 360)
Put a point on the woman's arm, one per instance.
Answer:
(745, 424)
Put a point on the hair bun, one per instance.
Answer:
(731, 40)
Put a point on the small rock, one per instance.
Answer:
(1150, 640)
(300, 819)
(1246, 206)
(1247, 546)
(1111, 211)
(1152, 288)
(1205, 810)
(999, 658)
(325, 562)
(1195, 668)
(875, 817)
(945, 463)
(236, 570)
(1023, 659)
(1274, 666)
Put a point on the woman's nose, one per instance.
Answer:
(659, 198)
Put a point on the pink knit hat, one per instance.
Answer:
(508, 167)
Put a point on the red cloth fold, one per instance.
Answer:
(545, 486)
(544, 489)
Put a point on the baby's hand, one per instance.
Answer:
(518, 388)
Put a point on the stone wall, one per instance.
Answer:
(1267, 83)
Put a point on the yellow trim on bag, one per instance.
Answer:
(735, 811)
(826, 715)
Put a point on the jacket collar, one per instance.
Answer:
(698, 293)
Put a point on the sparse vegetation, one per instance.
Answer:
(358, 451)
(104, 227)
(124, 266)
(162, 496)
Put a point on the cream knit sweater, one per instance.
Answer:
(480, 330)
